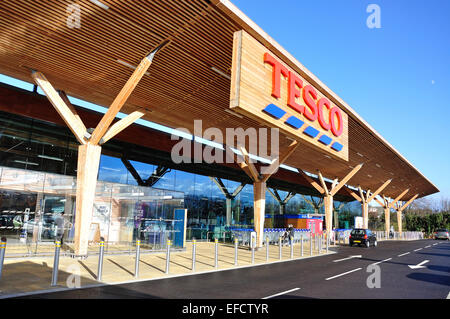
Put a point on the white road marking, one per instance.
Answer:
(428, 246)
(350, 257)
(418, 266)
(381, 261)
(448, 296)
(417, 249)
(435, 244)
(403, 254)
(281, 293)
(345, 273)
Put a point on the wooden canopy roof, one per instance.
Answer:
(188, 78)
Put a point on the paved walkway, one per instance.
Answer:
(22, 275)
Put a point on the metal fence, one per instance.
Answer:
(33, 234)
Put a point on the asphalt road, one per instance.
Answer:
(331, 276)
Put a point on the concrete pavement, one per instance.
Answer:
(27, 275)
(320, 277)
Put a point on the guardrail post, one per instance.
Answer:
(236, 251)
(2, 254)
(216, 249)
(267, 248)
(100, 260)
(279, 245)
(138, 257)
(168, 256)
(56, 263)
(194, 253)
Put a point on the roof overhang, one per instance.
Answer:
(189, 79)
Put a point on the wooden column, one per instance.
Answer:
(87, 170)
(259, 208)
(328, 206)
(329, 194)
(399, 221)
(259, 184)
(400, 210)
(89, 151)
(365, 213)
(387, 219)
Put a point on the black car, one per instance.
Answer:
(360, 237)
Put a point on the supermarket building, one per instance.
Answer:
(175, 63)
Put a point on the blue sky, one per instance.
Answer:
(396, 77)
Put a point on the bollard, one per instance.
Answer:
(319, 244)
(100, 260)
(301, 246)
(267, 248)
(168, 256)
(56, 263)
(216, 248)
(138, 257)
(292, 248)
(328, 242)
(236, 251)
(253, 250)
(310, 244)
(2, 254)
(279, 245)
(194, 252)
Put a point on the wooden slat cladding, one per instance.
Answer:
(95, 61)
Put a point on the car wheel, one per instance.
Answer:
(375, 243)
(367, 244)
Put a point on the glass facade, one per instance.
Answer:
(38, 173)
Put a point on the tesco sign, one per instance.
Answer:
(280, 93)
(314, 108)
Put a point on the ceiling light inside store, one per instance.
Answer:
(51, 158)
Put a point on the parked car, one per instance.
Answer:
(441, 234)
(362, 237)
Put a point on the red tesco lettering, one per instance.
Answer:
(314, 110)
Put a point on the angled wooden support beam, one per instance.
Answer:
(408, 203)
(322, 181)
(122, 97)
(344, 181)
(289, 197)
(221, 186)
(269, 171)
(274, 194)
(391, 205)
(240, 160)
(132, 171)
(66, 111)
(311, 181)
(253, 171)
(353, 194)
(238, 190)
(120, 126)
(379, 190)
(362, 195)
(379, 202)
